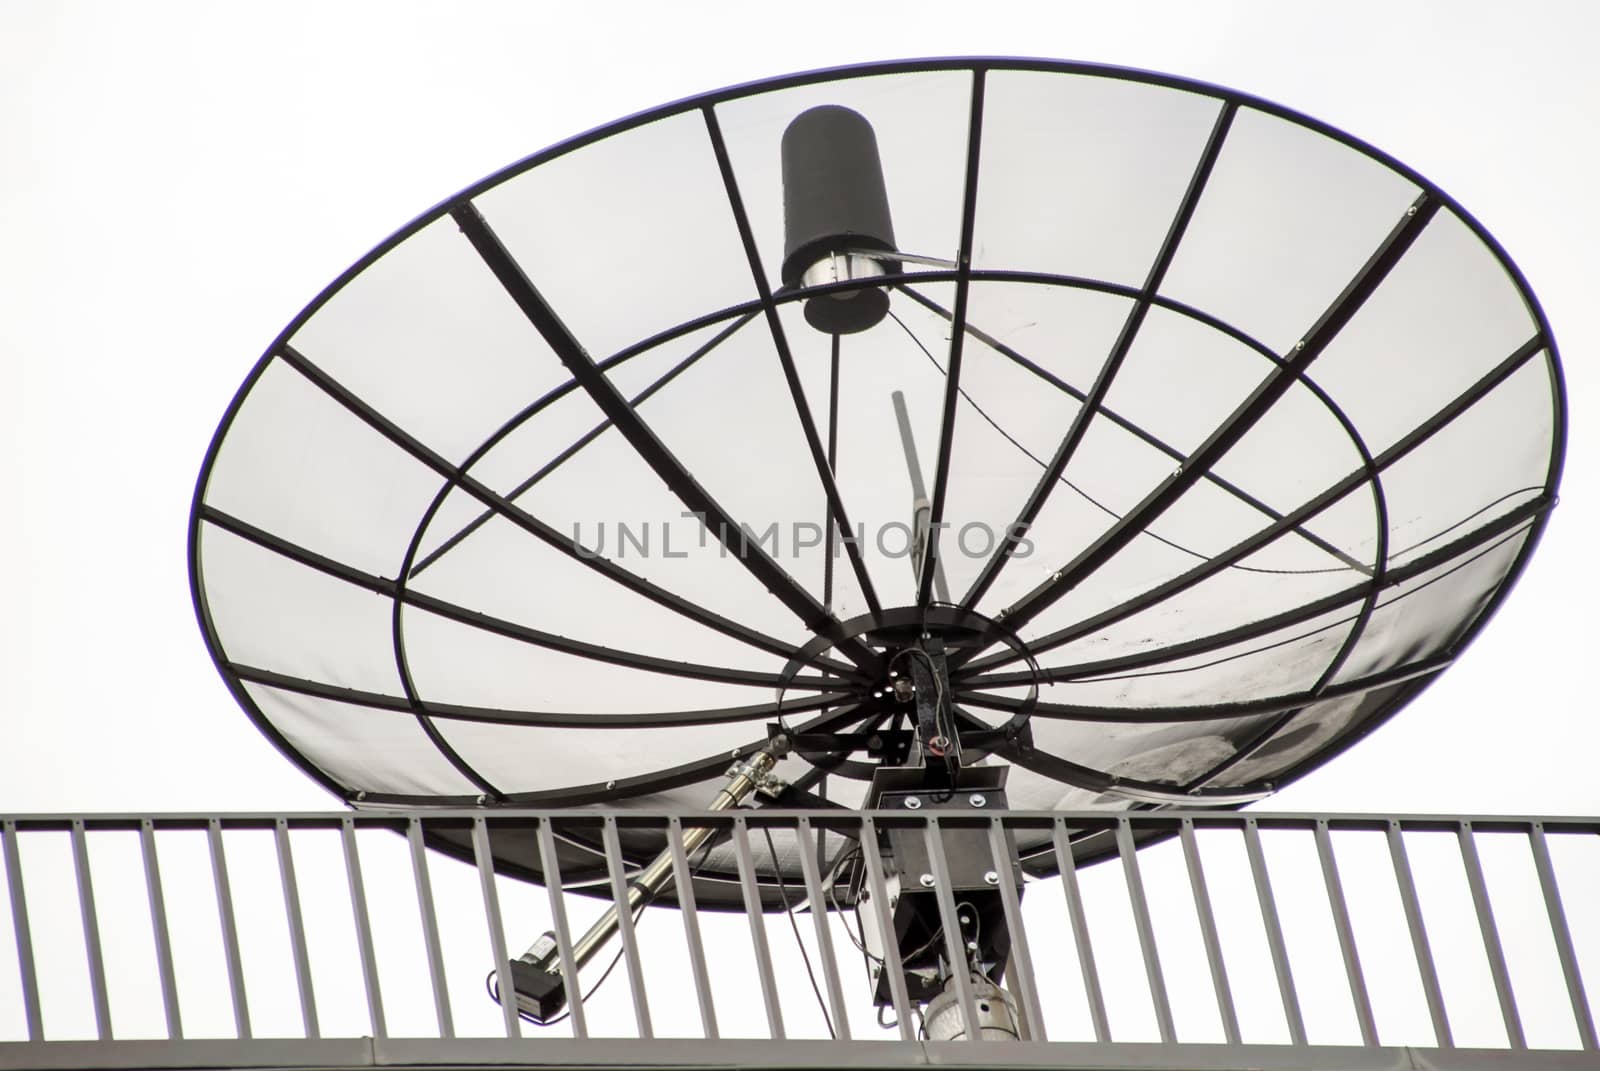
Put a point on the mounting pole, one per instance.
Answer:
(998, 1017)
(536, 974)
(921, 510)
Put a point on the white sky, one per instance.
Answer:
(179, 180)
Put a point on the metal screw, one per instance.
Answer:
(977, 799)
(482, 800)
(991, 878)
(1300, 345)
(913, 802)
(610, 785)
(972, 946)
(361, 795)
(927, 881)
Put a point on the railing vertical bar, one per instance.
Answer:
(430, 928)
(630, 945)
(1419, 937)
(1347, 940)
(550, 866)
(1080, 933)
(230, 929)
(1147, 937)
(955, 942)
(1208, 932)
(483, 857)
(1563, 936)
(758, 929)
(91, 932)
(683, 882)
(819, 918)
(358, 906)
(1491, 936)
(892, 962)
(1021, 956)
(1275, 943)
(24, 935)
(297, 929)
(158, 924)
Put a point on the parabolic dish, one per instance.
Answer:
(532, 506)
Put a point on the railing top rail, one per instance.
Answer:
(776, 816)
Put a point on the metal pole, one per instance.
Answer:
(1208, 932)
(758, 927)
(691, 930)
(819, 917)
(746, 778)
(430, 928)
(1491, 936)
(1563, 937)
(230, 931)
(23, 932)
(158, 922)
(616, 870)
(921, 509)
(743, 779)
(1147, 936)
(1067, 867)
(91, 933)
(1347, 939)
(1426, 969)
(1274, 929)
(483, 856)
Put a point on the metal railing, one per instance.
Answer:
(1221, 940)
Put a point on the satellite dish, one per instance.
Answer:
(1160, 441)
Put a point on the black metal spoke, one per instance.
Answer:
(571, 451)
(644, 441)
(821, 459)
(544, 719)
(1161, 715)
(1418, 435)
(947, 417)
(975, 677)
(1240, 421)
(1324, 682)
(689, 773)
(1113, 362)
(1021, 752)
(1112, 415)
(522, 518)
(408, 571)
(499, 626)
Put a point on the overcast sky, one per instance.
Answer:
(178, 180)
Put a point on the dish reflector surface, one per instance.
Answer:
(1237, 427)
